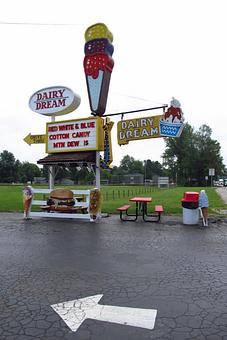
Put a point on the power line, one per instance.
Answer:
(138, 98)
(37, 23)
(134, 111)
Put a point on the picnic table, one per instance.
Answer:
(141, 210)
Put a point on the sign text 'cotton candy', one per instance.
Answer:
(54, 101)
(98, 65)
(75, 135)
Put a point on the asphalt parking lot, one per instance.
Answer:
(176, 270)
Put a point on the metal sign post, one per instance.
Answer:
(51, 168)
(97, 170)
(211, 174)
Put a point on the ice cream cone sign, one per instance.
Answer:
(95, 204)
(27, 200)
(98, 65)
(204, 205)
(171, 124)
(174, 111)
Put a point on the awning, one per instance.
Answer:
(68, 158)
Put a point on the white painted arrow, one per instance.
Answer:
(76, 311)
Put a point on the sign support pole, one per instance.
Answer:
(51, 177)
(97, 170)
(51, 169)
(211, 174)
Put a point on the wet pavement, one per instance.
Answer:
(179, 270)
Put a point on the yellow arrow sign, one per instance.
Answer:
(35, 139)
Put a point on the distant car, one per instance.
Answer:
(218, 184)
(221, 182)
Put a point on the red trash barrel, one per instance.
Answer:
(190, 204)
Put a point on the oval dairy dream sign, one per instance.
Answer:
(54, 101)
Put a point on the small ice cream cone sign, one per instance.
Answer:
(171, 124)
(204, 204)
(205, 214)
(95, 204)
(98, 66)
(27, 200)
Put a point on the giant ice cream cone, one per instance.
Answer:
(27, 201)
(98, 66)
(95, 204)
(27, 207)
(204, 204)
(205, 213)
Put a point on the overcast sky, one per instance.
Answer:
(163, 48)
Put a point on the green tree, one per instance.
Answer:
(129, 165)
(105, 174)
(189, 157)
(81, 174)
(45, 172)
(152, 168)
(9, 167)
(85, 176)
(74, 173)
(61, 172)
(179, 156)
(27, 172)
(208, 154)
